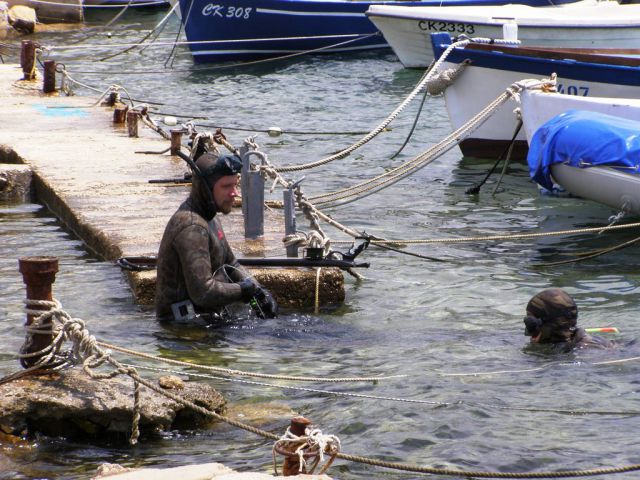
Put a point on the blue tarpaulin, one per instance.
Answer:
(584, 139)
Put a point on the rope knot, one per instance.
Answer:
(309, 449)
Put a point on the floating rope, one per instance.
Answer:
(366, 396)
(229, 371)
(383, 125)
(508, 236)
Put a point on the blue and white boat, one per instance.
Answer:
(256, 29)
(493, 68)
(584, 24)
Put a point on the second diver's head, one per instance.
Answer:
(216, 186)
(552, 317)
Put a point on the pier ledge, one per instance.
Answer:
(86, 171)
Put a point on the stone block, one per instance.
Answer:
(15, 182)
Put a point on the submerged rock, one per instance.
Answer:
(73, 405)
(15, 182)
(208, 471)
(22, 18)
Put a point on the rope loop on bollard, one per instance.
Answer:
(309, 449)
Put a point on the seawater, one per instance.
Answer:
(454, 328)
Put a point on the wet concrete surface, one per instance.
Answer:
(87, 171)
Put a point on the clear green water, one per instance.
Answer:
(423, 319)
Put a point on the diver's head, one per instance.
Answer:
(552, 316)
(217, 181)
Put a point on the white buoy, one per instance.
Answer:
(274, 131)
(510, 31)
(170, 121)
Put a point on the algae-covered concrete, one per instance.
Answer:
(94, 178)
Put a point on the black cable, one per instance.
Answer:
(474, 190)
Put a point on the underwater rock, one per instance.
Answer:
(73, 405)
(15, 182)
(22, 18)
(209, 471)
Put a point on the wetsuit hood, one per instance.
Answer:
(210, 169)
(553, 315)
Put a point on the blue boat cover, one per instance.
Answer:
(584, 139)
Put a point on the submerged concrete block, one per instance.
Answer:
(292, 287)
(15, 182)
(73, 405)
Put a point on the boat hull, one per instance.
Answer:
(614, 188)
(491, 73)
(249, 30)
(408, 29)
(605, 185)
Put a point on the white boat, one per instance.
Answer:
(538, 107)
(493, 68)
(585, 24)
(615, 186)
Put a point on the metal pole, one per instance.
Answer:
(244, 178)
(38, 273)
(252, 197)
(290, 219)
(176, 140)
(49, 80)
(28, 59)
(132, 123)
(120, 114)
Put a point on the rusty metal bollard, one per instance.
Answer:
(291, 465)
(120, 114)
(49, 80)
(38, 273)
(176, 140)
(28, 59)
(132, 123)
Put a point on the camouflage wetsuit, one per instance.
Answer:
(192, 252)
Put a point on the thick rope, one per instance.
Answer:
(383, 125)
(392, 176)
(435, 404)
(229, 371)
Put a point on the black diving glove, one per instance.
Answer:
(264, 304)
(248, 289)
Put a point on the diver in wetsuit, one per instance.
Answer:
(552, 317)
(197, 273)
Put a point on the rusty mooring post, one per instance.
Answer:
(38, 274)
(132, 123)
(28, 59)
(120, 114)
(291, 464)
(176, 140)
(49, 80)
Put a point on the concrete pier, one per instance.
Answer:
(87, 172)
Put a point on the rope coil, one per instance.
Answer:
(311, 446)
